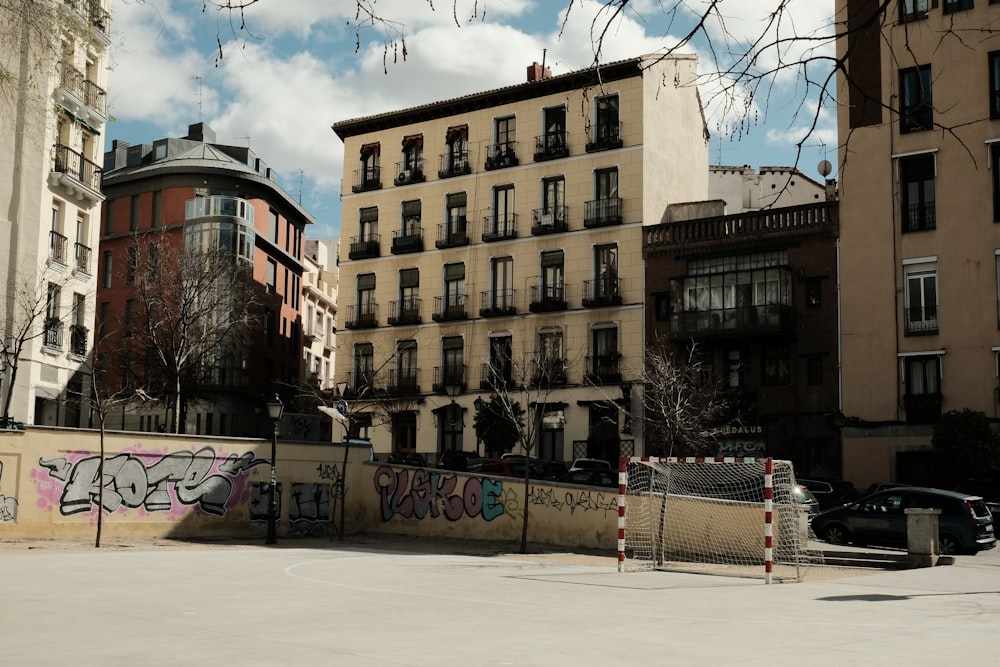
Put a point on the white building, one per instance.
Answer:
(744, 189)
(50, 201)
(320, 282)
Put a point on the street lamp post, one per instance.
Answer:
(274, 410)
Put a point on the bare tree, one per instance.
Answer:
(32, 311)
(195, 311)
(682, 403)
(520, 386)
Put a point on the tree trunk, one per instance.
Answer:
(10, 389)
(100, 488)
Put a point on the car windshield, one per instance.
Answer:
(978, 506)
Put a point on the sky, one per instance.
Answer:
(299, 66)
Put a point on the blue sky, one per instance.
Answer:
(282, 85)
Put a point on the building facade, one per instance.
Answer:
(746, 189)
(54, 113)
(319, 312)
(164, 197)
(752, 299)
(919, 121)
(495, 241)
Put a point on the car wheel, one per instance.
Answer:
(948, 545)
(835, 534)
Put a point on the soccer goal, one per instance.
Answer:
(724, 515)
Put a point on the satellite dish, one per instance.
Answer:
(824, 168)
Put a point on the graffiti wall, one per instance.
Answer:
(53, 484)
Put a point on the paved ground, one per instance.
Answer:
(381, 603)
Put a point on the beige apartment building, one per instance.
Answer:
(495, 241)
(54, 68)
(919, 124)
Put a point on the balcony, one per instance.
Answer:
(78, 340)
(548, 371)
(604, 369)
(362, 316)
(772, 319)
(551, 146)
(53, 336)
(922, 408)
(921, 321)
(605, 292)
(606, 137)
(403, 382)
(90, 11)
(81, 97)
(77, 176)
(367, 179)
(404, 311)
(219, 206)
(919, 217)
(602, 212)
(551, 221)
(452, 235)
(360, 383)
(57, 248)
(449, 308)
(82, 254)
(449, 376)
(495, 376)
(409, 173)
(499, 227)
(497, 303)
(364, 247)
(406, 242)
(454, 164)
(547, 298)
(502, 155)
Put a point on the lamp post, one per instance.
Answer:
(478, 403)
(274, 410)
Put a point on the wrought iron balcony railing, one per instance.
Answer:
(551, 145)
(549, 221)
(499, 227)
(455, 164)
(452, 375)
(547, 298)
(448, 308)
(364, 247)
(606, 137)
(408, 241)
(410, 173)
(369, 178)
(602, 212)
(603, 292)
(501, 155)
(497, 303)
(362, 316)
(404, 311)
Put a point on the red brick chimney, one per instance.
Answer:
(536, 72)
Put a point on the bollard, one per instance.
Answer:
(922, 536)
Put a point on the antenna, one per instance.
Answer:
(198, 78)
(301, 174)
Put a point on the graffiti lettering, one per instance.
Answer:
(8, 506)
(328, 471)
(431, 492)
(191, 478)
(586, 501)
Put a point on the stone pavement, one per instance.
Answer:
(383, 602)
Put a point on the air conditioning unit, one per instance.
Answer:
(546, 220)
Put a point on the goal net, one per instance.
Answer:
(725, 515)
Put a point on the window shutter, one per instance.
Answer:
(454, 272)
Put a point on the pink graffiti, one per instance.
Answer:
(431, 492)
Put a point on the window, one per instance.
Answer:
(502, 285)
(409, 296)
(271, 277)
(406, 366)
(134, 214)
(550, 357)
(917, 190)
(272, 225)
(104, 319)
(814, 369)
(456, 159)
(603, 366)
(607, 129)
(995, 175)
(131, 264)
(921, 297)
(454, 290)
(129, 324)
(814, 293)
(369, 176)
(952, 6)
(452, 372)
(411, 218)
(500, 368)
(366, 293)
(554, 201)
(503, 153)
(923, 375)
(368, 224)
(552, 287)
(411, 167)
(106, 266)
(553, 143)
(364, 367)
(911, 10)
(606, 208)
(606, 288)
(109, 216)
(774, 365)
(404, 431)
(734, 369)
(157, 213)
(915, 110)
(550, 443)
(994, 84)
(455, 224)
(503, 212)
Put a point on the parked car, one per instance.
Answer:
(965, 524)
(541, 469)
(831, 492)
(503, 467)
(805, 498)
(590, 464)
(455, 460)
(988, 490)
(407, 459)
(604, 478)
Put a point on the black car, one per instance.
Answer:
(604, 478)
(965, 524)
(831, 492)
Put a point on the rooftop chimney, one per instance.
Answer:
(536, 72)
(201, 132)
